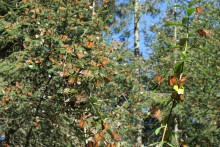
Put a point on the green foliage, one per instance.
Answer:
(196, 117)
(190, 11)
(62, 84)
(157, 131)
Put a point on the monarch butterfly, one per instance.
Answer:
(156, 113)
(89, 44)
(182, 81)
(104, 62)
(172, 80)
(91, 144)
(199, 10)
(115, 136)
(203, 32)
(159, 79)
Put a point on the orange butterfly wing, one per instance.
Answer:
(201, 32)
(156, 113)
(207, 32)
(160, 79)
(199, 10)
(182, 81)
(172, 80)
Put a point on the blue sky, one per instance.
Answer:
(145, 22)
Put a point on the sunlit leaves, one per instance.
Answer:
(174, 24)
(190, 11)
(179, 67)
(183, 55)
(66, 69)
(199, 100)
(185, 20)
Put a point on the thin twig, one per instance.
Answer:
(168, 121)
(164, 132)
(84, 32)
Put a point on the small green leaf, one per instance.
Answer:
(73, 91)
(183, 54)
(185, 20)
(190, 11)
(111, 84)
(177, 46)
(157, 131)
(179, 6)
(153, 144)
(169, 144)
(178, 69)
(174, 24)
(51, 71)
(62, 51)
(93, 100)
(71, 70)
(161, 143)
(191, 34)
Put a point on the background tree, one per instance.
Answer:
(64, 82)
(128, 26)
(78, 89)
(198, 107)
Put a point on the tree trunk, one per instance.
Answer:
(176, 128)
(93, 9)
(137, 54)
(136, 28)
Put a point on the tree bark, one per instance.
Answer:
(93, 9)
(136, 28)
(137, 54)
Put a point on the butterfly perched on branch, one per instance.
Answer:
(172, 80)
(199, 10)
(159, 79)
(177, 85)
(203, 32)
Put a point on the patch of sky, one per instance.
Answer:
(147, 20)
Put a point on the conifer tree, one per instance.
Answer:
(197, 116)
(62, 84)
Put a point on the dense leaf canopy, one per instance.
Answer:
(64, 81)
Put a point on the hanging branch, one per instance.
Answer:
(36, 113)
(28, 136)
(177, 83)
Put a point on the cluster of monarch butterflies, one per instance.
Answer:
(177, 85)
(202, 32)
